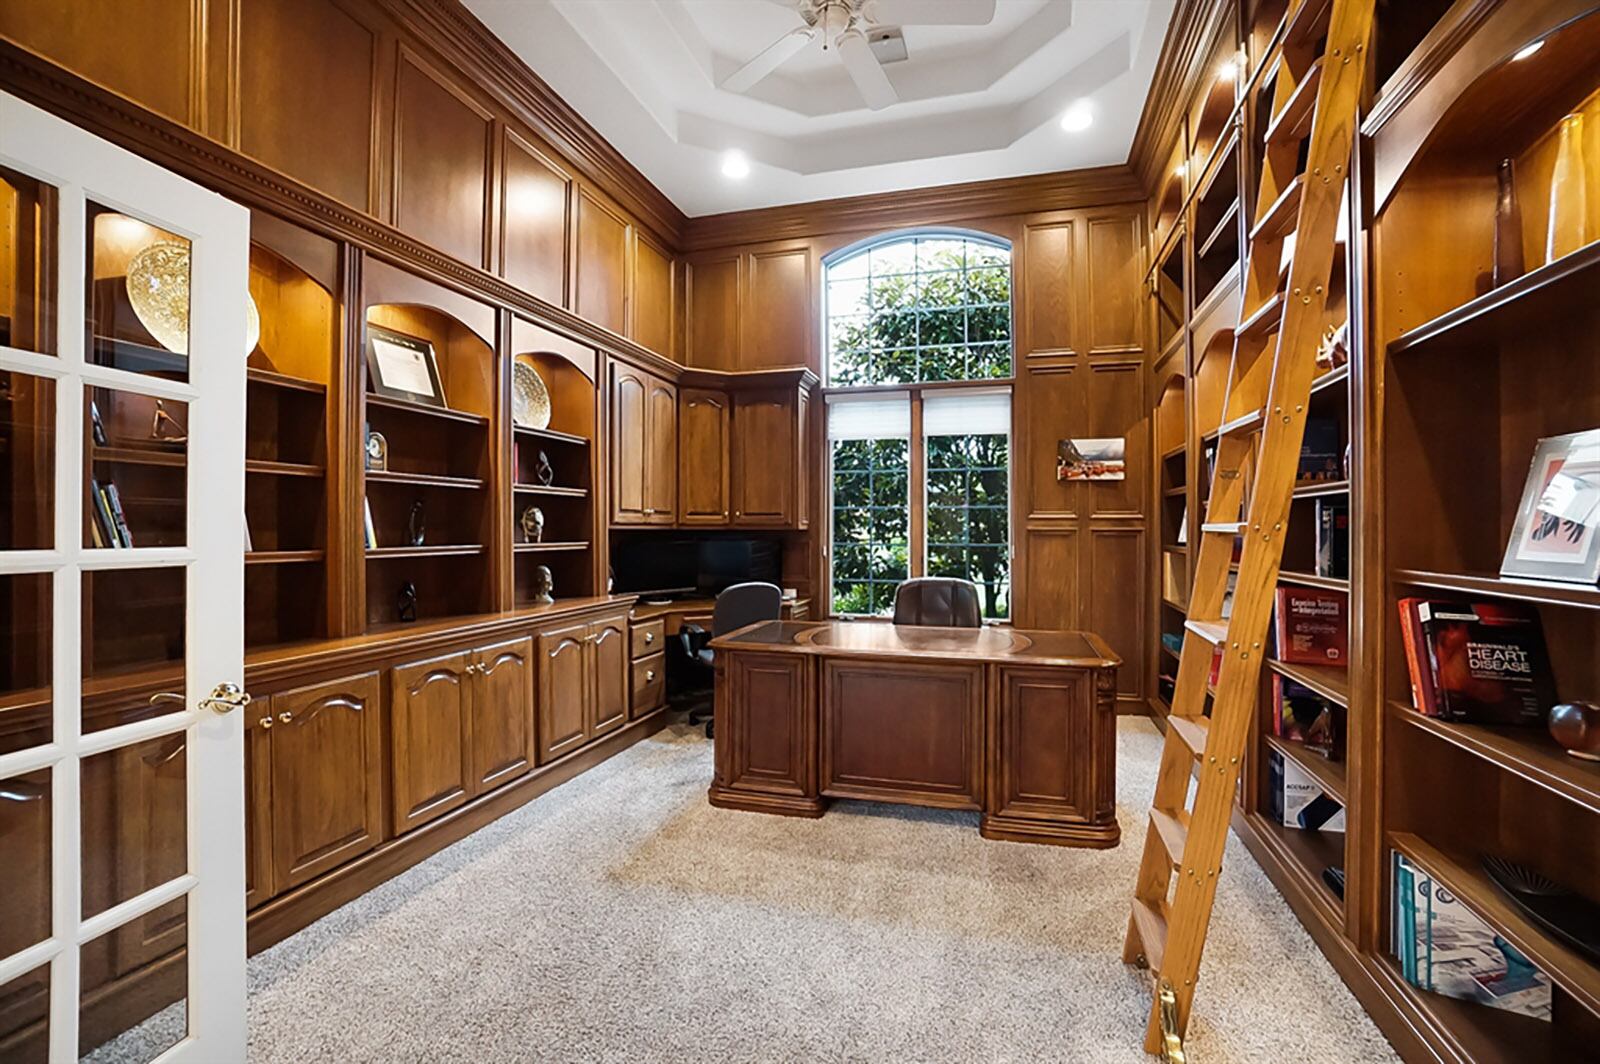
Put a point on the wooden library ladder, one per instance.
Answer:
(1269, 385)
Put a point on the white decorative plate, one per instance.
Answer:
(158, 289)
(530, 399)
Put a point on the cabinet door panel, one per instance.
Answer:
(503, 745)
(628, 417)
(327, 775)
(563, 691)
(608, 649)
(764, 459)
(258, 884)
(661, 476)
(428, 739)
(702, 457)
(766, 724)
(601, 289)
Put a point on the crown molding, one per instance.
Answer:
(939, 204)
(1194, 29)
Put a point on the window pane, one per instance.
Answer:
(940, 253)
(989, 285)
(27, 462)
(897, 257)
(871, 523)
(27, 248)
(138, 295)
(968, 520)
(848, 296)
(989, 324)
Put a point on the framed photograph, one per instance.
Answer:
(1554, 537)
(1092, 459)
(403, 367)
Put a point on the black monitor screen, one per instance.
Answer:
(705, 566)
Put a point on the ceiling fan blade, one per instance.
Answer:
(863, 68)
(932, 12)
(769, 59)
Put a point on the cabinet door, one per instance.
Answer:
(764, 459)
(327, 774)
(661, 474)
(258, 884)
(502, 714)
(429, 708)
(702, 457)
(766, 724)
(608, 649)
(629, 418)
(803, 461)
(564, 690)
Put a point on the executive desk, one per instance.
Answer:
(1019, 725)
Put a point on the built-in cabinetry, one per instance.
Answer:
(644, 447)
(647, 645)
(583, 683)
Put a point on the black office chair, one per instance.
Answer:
(943, 601)
(736, 607)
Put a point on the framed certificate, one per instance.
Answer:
(403, 367)
(1554, 537)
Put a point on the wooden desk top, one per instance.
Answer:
(646, 611)
(872, 639)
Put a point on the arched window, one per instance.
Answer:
(919, 477)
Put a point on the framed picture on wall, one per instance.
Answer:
(403, 367)
(1554, 536)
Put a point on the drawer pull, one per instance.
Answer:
(650, 676)
(649, 637)
(265, 722)
(285, 717)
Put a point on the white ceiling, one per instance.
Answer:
(976, 103)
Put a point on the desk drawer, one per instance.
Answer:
(648, 638)
(649, 683)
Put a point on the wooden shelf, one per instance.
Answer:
(1220, 230)
(1521, 301)
(129, 455)
(1310, 851)
(282, 469)
(1521, 589)
(1174, 452)
(268, 378)
(423, 480)
(1528, 753)
(138, 358)
(1479, 1033)
(1332, 378)
(1330, 775)
(1173, 604)
(1332, 583)
(549, 434)
(1462, 875)
(383, 402)
(1330, 681)
(540, 548)
(547, 489)
(1168, 651)
(445, 550)
(283, 557)
(1176, 493)
(1312, 489)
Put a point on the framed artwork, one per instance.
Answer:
(403, 367)
(1554, 537)
(1092, 459)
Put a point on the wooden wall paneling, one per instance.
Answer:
(1051, 407)
(1112, 405)
(778, 325)
(600, 284)
(1114, 267)
(443, 154)
(536, 220)
(304, 58)
(1050, 294)
(714, 300)
(1051, 574)
(347, 568)
(653, 305)
(1114, 573)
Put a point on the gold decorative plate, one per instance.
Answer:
(158, 289)
(530, 399)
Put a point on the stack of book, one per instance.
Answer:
(110, 526)
(1477, 662)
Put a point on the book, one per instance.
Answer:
(100, 530)
(1333, 538)
(369, 531)
(1418, 664)
(1445, 948)
(1293, 791)
(1309, 626)
(1321, 455)
(1301, 715)
(1488, 662)
(114, 501)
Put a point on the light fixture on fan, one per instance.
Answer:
(843, 26)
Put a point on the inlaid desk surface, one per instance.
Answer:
(991, 643)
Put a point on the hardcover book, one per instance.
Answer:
(1301, 715)
(1309, 626)
(1488, 661)
(1333, 538)
(1321, 455)
(1418, 664)
(1293, 791)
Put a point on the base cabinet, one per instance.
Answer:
(503, 745)
(766, 751)
(429, 735)
(584, 682)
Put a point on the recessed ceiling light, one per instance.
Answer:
(1529, 50)
(735, 165)
(1078, 117)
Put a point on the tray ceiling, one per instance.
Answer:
(975, 102)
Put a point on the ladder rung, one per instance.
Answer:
(1223, 528)
(1151, 922)
(1174, 833)
(1243, 425)
(1307, 21)
(1263, 320)
(1279, 219)
(1192, 731)
(1213, 632)
(1293, 121)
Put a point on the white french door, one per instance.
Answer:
(122, 400)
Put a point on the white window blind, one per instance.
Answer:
(966, 412)
(869, 417)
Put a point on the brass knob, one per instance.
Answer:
(649, 675)
(226, 698)
(265, 722)
(649, 637)
(285, 717)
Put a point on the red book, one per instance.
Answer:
(1310, 626)
(1490, 665)
(1418, 663)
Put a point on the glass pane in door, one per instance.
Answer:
(138, 295)
(120, 1028)
(25, 900)
(134, 643)
(27, 267)
(134, 821)
(25, 673)
(138, 460)
(27, 461)
(25, 1017)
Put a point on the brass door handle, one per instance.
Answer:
(167, 696)
(226, 698)
(265, 722)
(285, 717)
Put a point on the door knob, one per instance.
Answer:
(226, 698)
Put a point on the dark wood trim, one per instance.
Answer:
(1193, 32)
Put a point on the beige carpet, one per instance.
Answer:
(620, 918)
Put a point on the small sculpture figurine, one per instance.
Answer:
(407, 603)
(416, 525)
(543, 472)
(165, 427)
(1576, 726)
(543, 585)
(532, 521)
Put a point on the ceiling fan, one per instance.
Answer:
(843, 26)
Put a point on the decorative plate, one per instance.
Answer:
(158, 289)
(530, 399)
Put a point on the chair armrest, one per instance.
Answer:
(694, 639)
